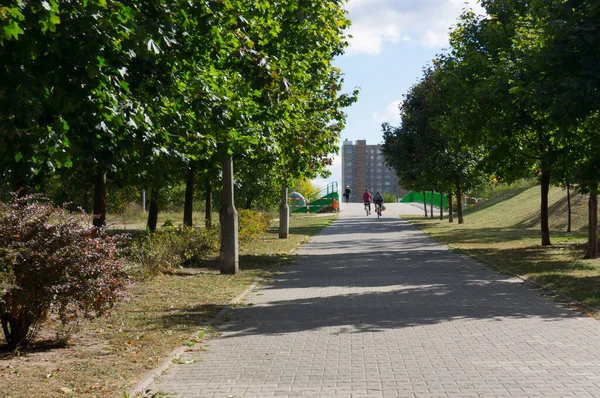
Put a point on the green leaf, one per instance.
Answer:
(12, 30)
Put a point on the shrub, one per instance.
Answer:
(252, 224)
(389, 197)
(169, 248)
(173, 247)
(53, 261)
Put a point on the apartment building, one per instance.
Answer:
(363, 167)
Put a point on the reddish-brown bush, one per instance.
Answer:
(53, 261)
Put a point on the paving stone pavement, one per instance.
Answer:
(373, 308)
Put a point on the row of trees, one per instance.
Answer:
(517, 94)
(149, 94)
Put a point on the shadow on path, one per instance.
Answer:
(374, 275)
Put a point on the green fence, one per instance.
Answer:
(418, 197)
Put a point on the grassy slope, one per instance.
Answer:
(505, 232)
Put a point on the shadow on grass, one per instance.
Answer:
(247, 262)
(309, 230)
(555, 210)
(489, 235)
(533, 260)
(194, 317)
(533, 220)
(200, 315)
(585, 289)
(486, 235)
(37, 346)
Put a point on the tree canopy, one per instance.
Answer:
(515, 95)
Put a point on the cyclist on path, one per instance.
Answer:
(367, 199)
(378, 200)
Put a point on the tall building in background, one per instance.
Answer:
(363, 167)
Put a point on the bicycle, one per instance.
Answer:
(378, 209)
(368, 207)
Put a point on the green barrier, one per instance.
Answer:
(418, 197)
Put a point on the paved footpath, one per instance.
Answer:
(372, 308)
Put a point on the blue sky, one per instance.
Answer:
(393, 40)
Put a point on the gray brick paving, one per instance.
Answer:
(372, 308)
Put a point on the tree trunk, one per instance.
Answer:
(459, 204)
(569, 207)
(17, 329)
(450, 215)
(208, 206)
(545, 180)
(431, 206)
(188, 206)
(592, 245)
(441, 207)
(153, 210)
(100, 199)
(248, 204)
(284, 215)
(229, 222)
(425, 203)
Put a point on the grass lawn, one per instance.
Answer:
(505, 232)
(107, 357)
(136, 220)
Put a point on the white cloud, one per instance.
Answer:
(424, 22)
(390, 114)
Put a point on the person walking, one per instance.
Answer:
(347, 194)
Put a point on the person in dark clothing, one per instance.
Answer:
(378, 200)
(347, 194)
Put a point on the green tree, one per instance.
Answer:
(418, 150)
(565, 36)
(488, 59)
(33, 136)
